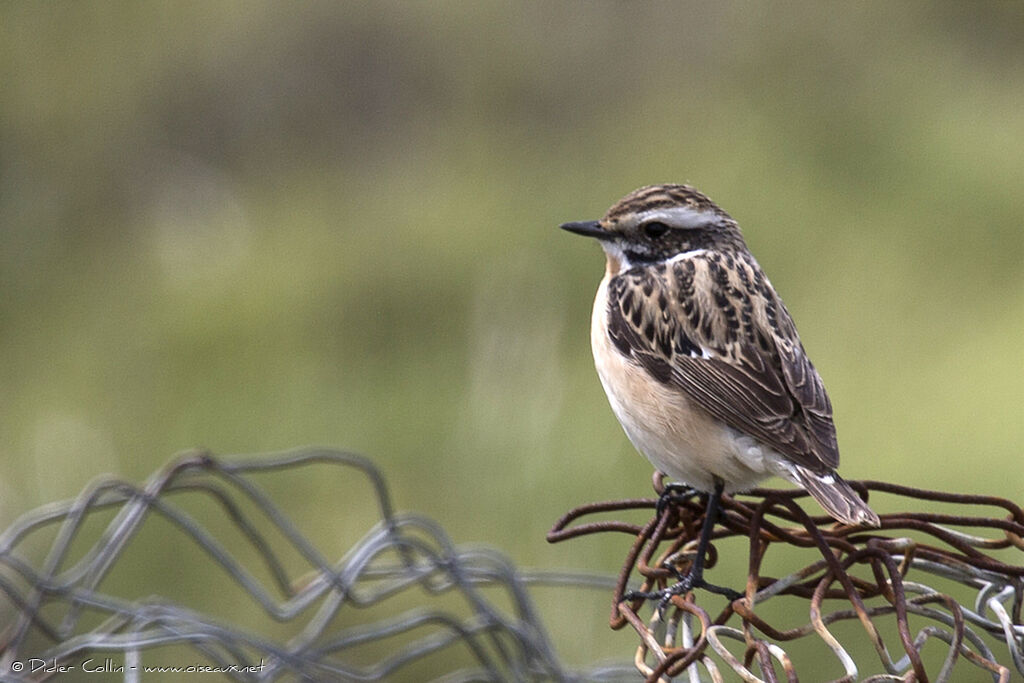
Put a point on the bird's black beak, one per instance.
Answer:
(588, 229)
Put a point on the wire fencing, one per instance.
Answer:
(877, 578)
(64, 614)
(943, 591)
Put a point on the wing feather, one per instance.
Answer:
(713, 327)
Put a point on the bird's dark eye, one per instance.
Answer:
(655, 229)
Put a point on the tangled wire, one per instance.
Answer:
(59, 604)
(439, 611)
(848, 574)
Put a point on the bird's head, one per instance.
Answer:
(656, 223)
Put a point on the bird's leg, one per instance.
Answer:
(694, 578)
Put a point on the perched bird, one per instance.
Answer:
(700, 359)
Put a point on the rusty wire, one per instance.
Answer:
(874, 577)
(63, 608)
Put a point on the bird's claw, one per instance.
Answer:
(687, 582)
(694, 577)
(673, 493)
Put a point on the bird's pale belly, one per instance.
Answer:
(679, 438)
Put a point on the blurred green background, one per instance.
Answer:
(253, 226)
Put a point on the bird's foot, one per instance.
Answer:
(673, 495)
(694, 576)
(687, 582)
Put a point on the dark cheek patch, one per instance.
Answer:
(634, 256)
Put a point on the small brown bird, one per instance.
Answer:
(700, 359)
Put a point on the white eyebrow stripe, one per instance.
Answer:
(680, 217)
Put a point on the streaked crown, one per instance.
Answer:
(658, 222)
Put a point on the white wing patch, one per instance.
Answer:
(704, 353)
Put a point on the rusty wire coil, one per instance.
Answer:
(866, 576)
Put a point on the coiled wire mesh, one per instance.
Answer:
(866, 576)
(60, 610)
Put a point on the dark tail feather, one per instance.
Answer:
(836, 496)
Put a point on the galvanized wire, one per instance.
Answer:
(62, 609)
(874, 577)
